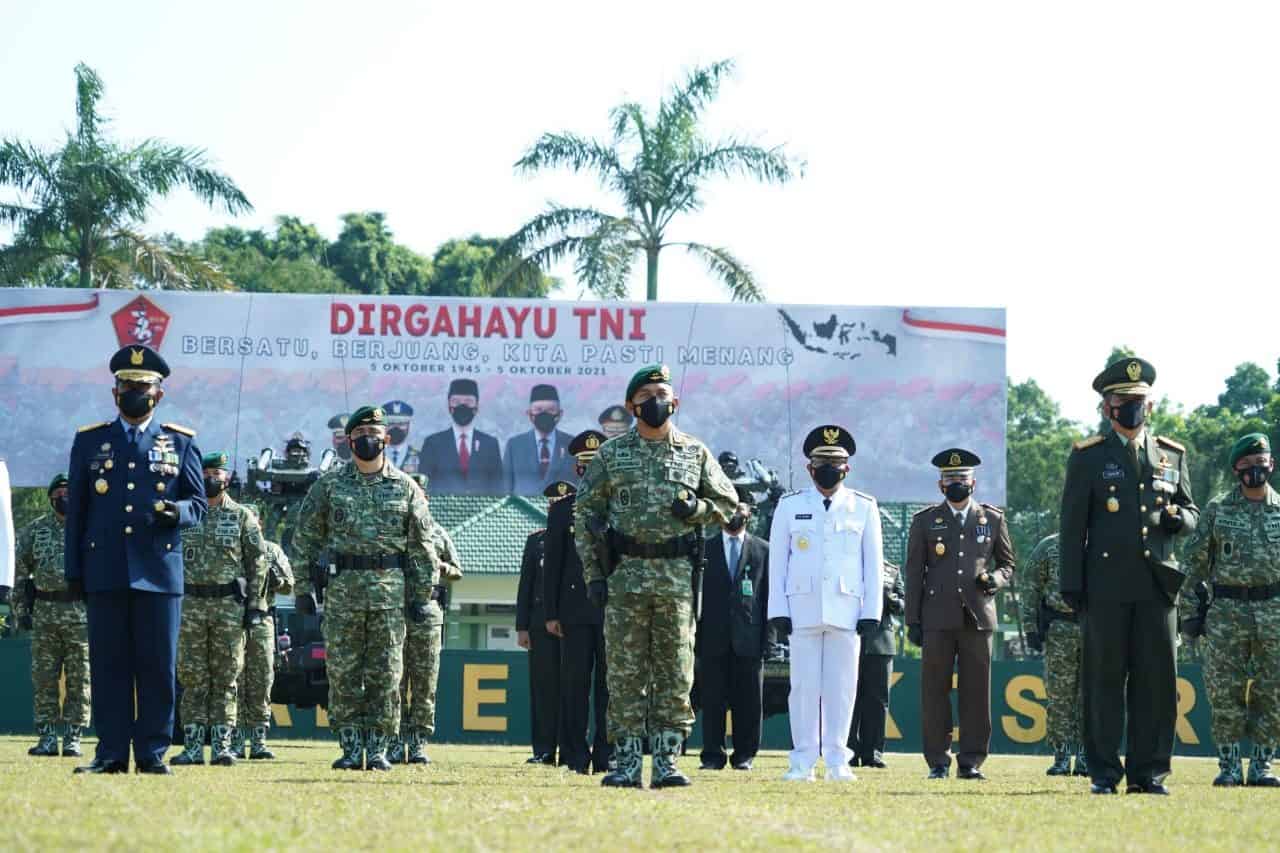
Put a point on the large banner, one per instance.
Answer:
(485, 394)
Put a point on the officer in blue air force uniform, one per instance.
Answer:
(134, 484)
(826, 552)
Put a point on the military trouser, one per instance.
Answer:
(1243, 642)
(648, 644)
(254, 684)
(365, 661)
(422, 670)
(1062, 682)
(210, 656)
(60, 642)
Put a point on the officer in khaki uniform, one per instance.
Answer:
(954, 624)
(1126, 498)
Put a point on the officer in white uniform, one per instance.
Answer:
(825, 557)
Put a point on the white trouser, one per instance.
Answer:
(824, 682)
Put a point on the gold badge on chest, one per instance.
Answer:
(803, 543)
(1113, 505)
(100, 486)
(940, 548)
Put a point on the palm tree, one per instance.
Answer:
(658, 166)
(80, 207)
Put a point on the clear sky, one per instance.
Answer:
(1109, 171)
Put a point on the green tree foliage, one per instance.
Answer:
(79, 209)
(466, 268)
(1248, 390)
(657, 164)
(368, 260)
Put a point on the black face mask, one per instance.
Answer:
(343, 450)
(827, 476)
(1254, 476)
(736, 522)
(213, 487)
(367, 447)
(958, 492)
(135, 403)
(1131, 415)
(545, 422)
(654, 412)
(397, 435)
(463, 415)
(60, 504)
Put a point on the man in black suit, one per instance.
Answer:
(875, 671)
(580, 626)
(730, 640)
(543, 648)
(462, 460)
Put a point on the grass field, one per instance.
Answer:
(485, 798)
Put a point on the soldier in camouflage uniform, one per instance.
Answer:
(222, 562)
(1236, 549)
(59, 638)
(653, 487)
(372, 521)
(424, 630)
(253, 713)
(1055, 631)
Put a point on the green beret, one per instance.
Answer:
(646, 375)
(59, 481)
(216, 459)
(1248, 445)
(367, 416)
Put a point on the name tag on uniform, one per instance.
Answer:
(1112, 471)
(747, 588)
(804, 516)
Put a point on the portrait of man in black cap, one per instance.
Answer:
(537, 458)
(462, 460)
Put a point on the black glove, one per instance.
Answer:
(1192, 626)
(254, 618)
(987, 583)
(915, 635)
(164, 514)
(1035, 642)
(305, 603)
(598, 593)
(867, 627)
(781, 625)
(1170, 521)
(684, 504)
(1074, 600)
(4, 594)
(24, 620)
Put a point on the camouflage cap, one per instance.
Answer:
(646, 375)
(367, 416)
(216, 459)
(1249, 445)
(1126, 376)
(59, 481)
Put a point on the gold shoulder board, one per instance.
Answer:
(1091, 441)
(187, 431)
(88, 427)
(1169, 442)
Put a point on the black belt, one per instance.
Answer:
(63, 595)
(1246, 593)
(676, 546)
(215, 590)
(367, 562)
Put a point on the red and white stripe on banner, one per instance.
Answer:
(920, 324)
(48, 311)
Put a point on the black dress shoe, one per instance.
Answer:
(855, 762)
(155, 768)
(97, 766)
(877, 763)
(1103, 788)
(711, 765)
(940, 772)
(1147, 788)
(544, 758)
(742, 765)
(969, 773)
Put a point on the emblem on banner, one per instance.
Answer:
(140, 322)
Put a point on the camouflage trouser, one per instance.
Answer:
(210, 655)
(422, 670)
(365, 661)
(1243, 642)
(60, 641)
(254, 684)
(648, 645)
(1062, 682)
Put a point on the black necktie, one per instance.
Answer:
(826, 503)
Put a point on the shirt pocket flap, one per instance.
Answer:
(801, 585)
